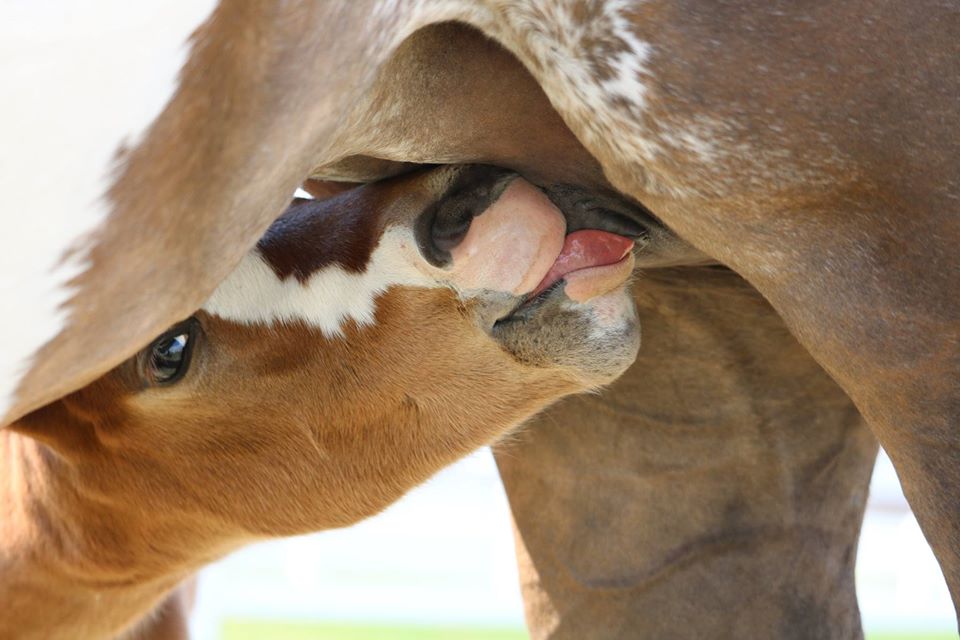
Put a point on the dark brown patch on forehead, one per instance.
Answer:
(313, 234)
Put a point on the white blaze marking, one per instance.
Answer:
(80, 80)
(253, 294)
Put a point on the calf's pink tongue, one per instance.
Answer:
(584, 249)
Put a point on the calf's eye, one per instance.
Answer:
(167, 359)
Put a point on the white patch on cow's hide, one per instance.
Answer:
(81, 80)
(593, 67)
(254, 294)
(599, 73)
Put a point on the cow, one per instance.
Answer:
(809, 147)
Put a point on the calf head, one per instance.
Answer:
(368, 340)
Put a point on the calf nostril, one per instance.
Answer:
(588, 209)
(451, 224)
(443, 226)
(440, 229)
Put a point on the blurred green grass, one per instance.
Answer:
(271, 630)
(906, 635)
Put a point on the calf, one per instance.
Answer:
(367, 341)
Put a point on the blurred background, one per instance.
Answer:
(439, 565)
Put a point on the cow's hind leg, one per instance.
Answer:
(815, 153)
(716, 490)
